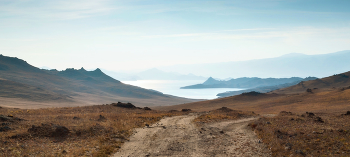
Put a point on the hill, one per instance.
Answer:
(263, 89)
(10, 89)
(78, 87)
(328, 83)
(244, 82)
(326, 94)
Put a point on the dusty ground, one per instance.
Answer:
(178, 136)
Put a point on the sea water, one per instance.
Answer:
(172, 87)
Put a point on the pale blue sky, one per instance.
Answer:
(134, 34)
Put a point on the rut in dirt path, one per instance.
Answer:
(178, 136)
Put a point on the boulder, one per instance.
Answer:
(124, 105)
(102, 118)
(186, 110)
(5, 128)
(147, 108)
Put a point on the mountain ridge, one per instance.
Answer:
(75, 85)
(321, 65)
(243, 82)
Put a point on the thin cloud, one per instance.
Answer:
(62, 9)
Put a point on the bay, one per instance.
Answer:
(172, 87)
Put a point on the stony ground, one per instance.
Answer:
(178, 136)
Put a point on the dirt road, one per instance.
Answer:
(178, 136)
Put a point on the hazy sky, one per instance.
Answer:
(136, 34)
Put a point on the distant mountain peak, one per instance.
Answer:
(98, 70)
(82, 69)
(211, 80)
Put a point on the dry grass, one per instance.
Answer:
(290, 134)
(88, 135)
(332, 100)
(222, 114)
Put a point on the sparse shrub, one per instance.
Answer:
(186, 110)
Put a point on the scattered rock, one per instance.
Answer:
(300, 152)
(9, 118)
(124, 105)
(292, 119)
(310, 114)
(268, 122)
(5, 118)
(282, 113)
(5, 128)
(76, 118)
(4, 124)
(347, 113)
(299, 119)
(147, 125)
(283, 135)
(288, 146)
(186, 110)
(102, 118)
(319, 119)
(315, 132)
(309, 90)
(147, 108)
(48, 130)
(78, 133)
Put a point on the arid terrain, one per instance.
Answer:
(307, 119)
(305, 134)
(179, 136)
(104, 129)
(71, 131)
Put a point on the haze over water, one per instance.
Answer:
(172, 87)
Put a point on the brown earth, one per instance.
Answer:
(178, 136)
(306, 134)
(70, 131)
